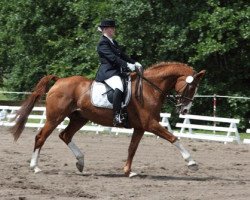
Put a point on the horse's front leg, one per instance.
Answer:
(135, 140)
(186, 155)
(162, 132)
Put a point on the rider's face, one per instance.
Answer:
(110, 31)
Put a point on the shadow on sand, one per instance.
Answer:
(174, 178)
(153, 177)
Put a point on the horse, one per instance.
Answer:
(70, 97)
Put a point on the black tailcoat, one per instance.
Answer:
(112, 59)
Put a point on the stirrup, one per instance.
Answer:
(117, 120)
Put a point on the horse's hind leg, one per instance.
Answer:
(76, 122)
(135, 140)
(39, 141)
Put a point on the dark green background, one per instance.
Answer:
(59, 37)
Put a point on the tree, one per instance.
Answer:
(60, 37)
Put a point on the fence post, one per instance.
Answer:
(214, 109)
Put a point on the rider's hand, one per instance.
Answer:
(138, 65)
(131, 66)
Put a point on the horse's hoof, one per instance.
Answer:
(80, 166)
(132, 174)
(37, 170)
(193, 167)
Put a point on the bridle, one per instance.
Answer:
(173, 98)
(184, 95)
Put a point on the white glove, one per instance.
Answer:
(131, 66)
(138, 65)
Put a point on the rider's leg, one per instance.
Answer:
(117, 102)
(115, 82)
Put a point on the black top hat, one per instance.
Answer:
(107, 23)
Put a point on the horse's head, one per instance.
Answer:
(186, 87)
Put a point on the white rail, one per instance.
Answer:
(227, 133)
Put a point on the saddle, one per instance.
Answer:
(102, 94)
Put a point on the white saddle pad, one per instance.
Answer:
(99, 95)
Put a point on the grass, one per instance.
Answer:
(244, 136)
(3, 97)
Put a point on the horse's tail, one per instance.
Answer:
(27, 106)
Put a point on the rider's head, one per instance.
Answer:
(107, 27)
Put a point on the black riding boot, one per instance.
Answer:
(117, 102)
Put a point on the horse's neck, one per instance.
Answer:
(166, 77)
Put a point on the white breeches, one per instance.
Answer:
(115, 82)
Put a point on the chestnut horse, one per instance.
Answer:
(70, 97)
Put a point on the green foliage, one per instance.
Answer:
(221, 32)
(60, 37)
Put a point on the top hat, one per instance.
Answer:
(107, 23)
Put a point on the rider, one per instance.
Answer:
(113, 62)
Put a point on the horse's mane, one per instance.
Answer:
(170, 66)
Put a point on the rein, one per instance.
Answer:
(139, 87)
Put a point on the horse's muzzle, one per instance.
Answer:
(182, 109)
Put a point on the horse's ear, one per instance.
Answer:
(200, 74)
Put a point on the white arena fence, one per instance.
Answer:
(247, 141)
(227, 132)
(38, 116)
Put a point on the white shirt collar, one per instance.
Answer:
(108, 38)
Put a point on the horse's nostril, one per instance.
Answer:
(184, 111)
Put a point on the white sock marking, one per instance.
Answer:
(34, 159)
(76, 151)
(185, 154)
